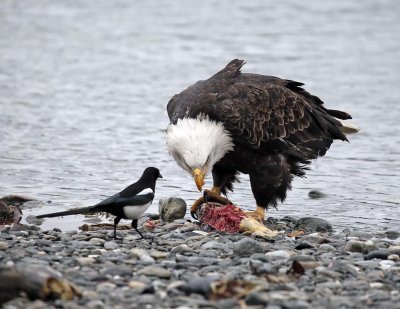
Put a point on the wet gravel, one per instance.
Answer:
(181, 266)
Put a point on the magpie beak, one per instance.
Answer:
(130, 203)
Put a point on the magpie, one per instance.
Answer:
(130, 203)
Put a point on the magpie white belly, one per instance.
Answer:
(135, 211)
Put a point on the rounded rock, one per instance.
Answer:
(3, 246)
(354, 246)
(155, 271)
(110, 245)
(392, 234)
(278, 255)
(386, 264)
(199, 285)
(181, 249)
(97, 241)
(378, 254)
(314, 194)
(393, 257)
(172, 208)
(105, 287)
(304, 245)
(85, 261)
(327, 248)
(247, 246)
(313, 225)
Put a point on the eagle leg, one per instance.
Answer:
(258, 214)
(212, 195)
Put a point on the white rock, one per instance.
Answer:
(85, 260)
(97, 241)
(278, 255)
(386, 264)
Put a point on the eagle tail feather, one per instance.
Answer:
(348, 127)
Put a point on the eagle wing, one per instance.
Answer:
(265, 113)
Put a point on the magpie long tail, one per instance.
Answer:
(78, 211)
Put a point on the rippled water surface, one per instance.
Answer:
(84, 85)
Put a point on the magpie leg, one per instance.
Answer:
(116, 221)
(134, 226)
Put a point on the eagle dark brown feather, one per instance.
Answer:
(264, 115)
(258, 109)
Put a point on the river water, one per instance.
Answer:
(84, 86)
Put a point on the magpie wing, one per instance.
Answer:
(118, 201)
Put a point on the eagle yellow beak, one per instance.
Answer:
(198, 178)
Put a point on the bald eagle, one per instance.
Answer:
(263, 126)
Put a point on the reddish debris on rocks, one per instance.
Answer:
(150, 224)
(225, 218)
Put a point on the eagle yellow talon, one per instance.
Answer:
(212, 195)
(196, 204)
(258, 214)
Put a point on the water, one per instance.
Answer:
(84, 86)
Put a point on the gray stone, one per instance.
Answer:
(110, 245)
(257, 299)
(95, 304)
(3, 246)
(247, 246)
(228, 303)
(278, 255)
(378, 295)
(378, 254)
(172, 208)
(304, 245)
(119, 270)
(341, 301)
(212, 244)
(155, 271)
(202, 261)
(327, 248)
(303, 258)
(97, 241)
(142, 255)
(199, 285)
(159, 255)
(309, 224)
(105, 287)
(314, 194)
(392, 234)
(208, 253)
(34, 220)
(260, 257)
(181, 249)
(355, 246)
(394, 250)
(360, 234)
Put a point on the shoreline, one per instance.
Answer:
(186, 268)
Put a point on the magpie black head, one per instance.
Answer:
(152, 173)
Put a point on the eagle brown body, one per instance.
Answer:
(275, 125)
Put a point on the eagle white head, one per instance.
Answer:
(197, 144)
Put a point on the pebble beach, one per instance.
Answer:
(184, 265)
